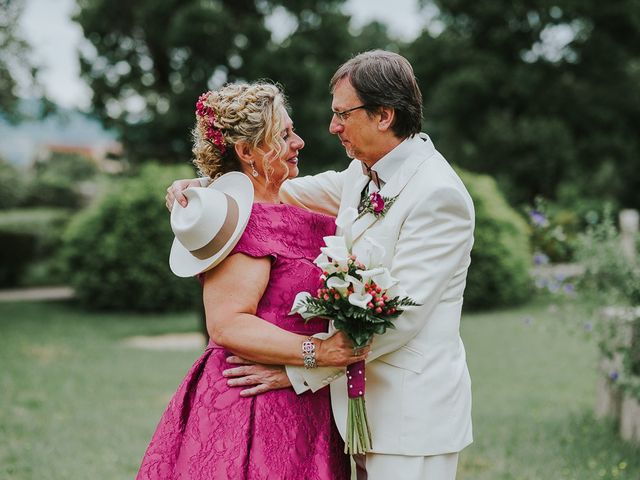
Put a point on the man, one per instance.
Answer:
(418, 386)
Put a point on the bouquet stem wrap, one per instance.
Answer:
(358, 439)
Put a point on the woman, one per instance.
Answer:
(209, 431)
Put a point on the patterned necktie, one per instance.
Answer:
(372, 174)
(363, 198)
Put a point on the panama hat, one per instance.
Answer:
(211, 224)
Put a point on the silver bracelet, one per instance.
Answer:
(309, 353)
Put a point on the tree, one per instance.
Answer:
(150, 60)
(13, 59)
(505, 95)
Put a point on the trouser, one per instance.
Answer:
(377, 466)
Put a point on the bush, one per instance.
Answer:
(16, 250)
(12, 186)
(554, 231)
(611, 278)
(29, 236)
(501, 256)
(58, 181)
(117, 250)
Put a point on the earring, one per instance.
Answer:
(254, 172)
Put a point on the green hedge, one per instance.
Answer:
(117, 250)
(29, 236)
(501, 256)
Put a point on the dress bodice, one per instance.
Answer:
(292, 237)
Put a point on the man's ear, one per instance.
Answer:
(387, 116)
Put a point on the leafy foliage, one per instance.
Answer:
(29, 235)
(612, 278)
(57, 182)
(12, 186)
(500, 259)
(541, 95)
(117, 250)
(150, 61)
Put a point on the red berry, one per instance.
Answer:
(378, 310)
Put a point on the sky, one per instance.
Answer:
(46, 24)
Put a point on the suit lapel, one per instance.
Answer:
(395, 185)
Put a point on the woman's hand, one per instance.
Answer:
(174, 192)
(338, 351)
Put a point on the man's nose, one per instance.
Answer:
(335, 127)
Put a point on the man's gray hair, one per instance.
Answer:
(385, 79)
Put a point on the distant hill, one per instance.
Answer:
(20, 142)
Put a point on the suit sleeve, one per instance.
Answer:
(320, 193)
(433, 243)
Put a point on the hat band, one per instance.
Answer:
(223, 235)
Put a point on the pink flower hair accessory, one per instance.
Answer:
(207, 114)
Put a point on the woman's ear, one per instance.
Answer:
(245, 152)
(387, 115)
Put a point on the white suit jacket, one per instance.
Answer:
(418, 390)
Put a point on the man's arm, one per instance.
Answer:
(320, 193)
(433, 241)
(232, 322)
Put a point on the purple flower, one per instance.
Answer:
(538, 218)
(377, 202)
(569, 288)
(540, 259)
(541, 282)
(613, 375)
(553, 287)
(588, 326)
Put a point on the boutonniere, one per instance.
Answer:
(377, 205)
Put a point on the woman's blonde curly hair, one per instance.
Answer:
(249, 113)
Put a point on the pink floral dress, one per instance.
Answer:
(208, 431)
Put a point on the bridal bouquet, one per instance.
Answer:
(361, 298)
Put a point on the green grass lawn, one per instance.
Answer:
(76, 403)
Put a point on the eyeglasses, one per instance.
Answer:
(344, 115)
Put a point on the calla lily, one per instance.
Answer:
(396, 291)
(339, 284)
(384, 279)
(345, 222)
(299, 305)
(369, 252)
(336, 250)
(358, 286)
(360, 300)
(322, 261)
(367, 275)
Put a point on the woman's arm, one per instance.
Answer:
(231, 295)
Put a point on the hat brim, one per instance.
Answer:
(238, 186)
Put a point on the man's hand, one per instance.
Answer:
(261, 378)
(174, 192)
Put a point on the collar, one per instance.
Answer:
(392, 161)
